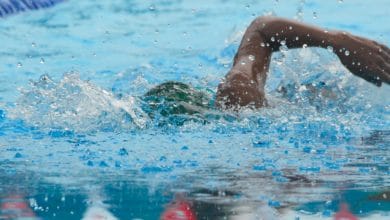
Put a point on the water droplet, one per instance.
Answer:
(283, 48)
(330, 49)
(33, 44)
(251, 57)
(272, 39)
(283, 42)
(247, 6)
(262, 44)
(42, 61)
(290, 28)
(346, 53)
(299, 14)
(341, 1)
(123, 152)
(279, 60)
(243, 62)
(152, 7)
(315, 16)
(19, 65)
(297, 38)
(304, 46)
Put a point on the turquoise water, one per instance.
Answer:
(74, 136)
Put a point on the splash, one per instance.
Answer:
(76, 105)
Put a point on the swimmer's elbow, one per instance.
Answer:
(262, 22)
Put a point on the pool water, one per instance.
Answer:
(76, 142)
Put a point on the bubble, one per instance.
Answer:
(283, 48)
(280, 59)
(304, 46)
(296, 38)
(19, 64)
(346, 53)
(42, 61)
(273, 39)
(152, 8)
(243, 62)
(290, 28)
(341, 1)
(283, 42)
(262, 44)
(33, 44)
(315, 16)
(251, 57)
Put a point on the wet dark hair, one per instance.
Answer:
(174, 98)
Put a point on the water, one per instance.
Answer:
(75, 141)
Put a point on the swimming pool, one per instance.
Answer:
(75, 142)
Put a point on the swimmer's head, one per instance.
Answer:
(173, 98)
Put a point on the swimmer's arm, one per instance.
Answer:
(363, 57)
(244, 84)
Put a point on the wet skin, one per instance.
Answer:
(243, 86)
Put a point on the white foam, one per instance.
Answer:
(75, 104)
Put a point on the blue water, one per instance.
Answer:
(73, 135)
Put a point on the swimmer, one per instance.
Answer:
(243, 86)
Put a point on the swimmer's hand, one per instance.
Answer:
(363, 57)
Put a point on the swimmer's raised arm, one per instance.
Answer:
(244, 84)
